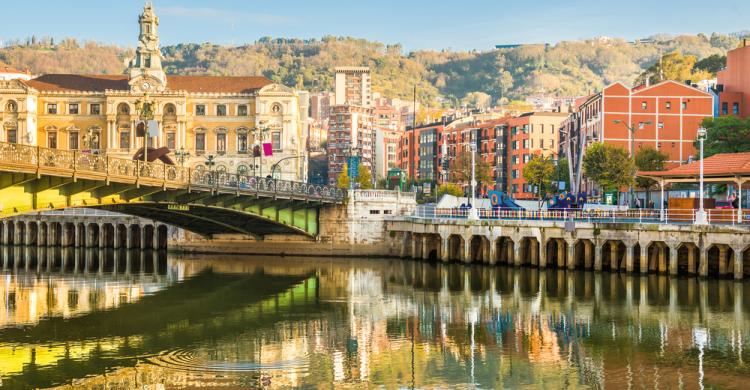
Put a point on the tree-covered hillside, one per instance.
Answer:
(442, 77)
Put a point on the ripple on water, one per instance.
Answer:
(186, 359)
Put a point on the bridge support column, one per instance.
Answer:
(597, 257)
(738, 263)
(560, 252)
(493, 251)
(28, 237)
(425, 247)
(629, 248)
(18, 239)
(571, 260)
(466, 257)
(588, 255)
(445, 254)
(662, 259)
(129, 238)
(673, 259)
(703, 256)
(691, 259)
(40, 233)
(79, 233)
(614, 264)
(542, 253)
(6, 233)
(102, 238)
(643, 257)
(534, 252)
(155, 239)
(517, 260)
(143, 240)
(118, 237)
(722, 260)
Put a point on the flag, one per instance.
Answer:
(267, 149)
(140, 129)
(256, 150)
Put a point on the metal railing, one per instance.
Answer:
(642, 216)
(73, 163)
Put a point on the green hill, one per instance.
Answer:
(442, 77)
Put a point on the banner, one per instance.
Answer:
(353, 165)
(256, 150)
(267, 149)
(495, 197)
(153, 128)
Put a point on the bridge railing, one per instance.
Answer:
(642, 216)
(72, 162)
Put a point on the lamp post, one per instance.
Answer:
(700, 216)
(145, 111)
(273, 167)
(473, 213)
(631, 129)
(182, 155)
(209, 163)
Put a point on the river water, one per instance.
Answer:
(106, 319)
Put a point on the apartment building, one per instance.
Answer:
(733, 83)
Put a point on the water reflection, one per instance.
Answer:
(129, 319)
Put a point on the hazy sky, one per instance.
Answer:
(417, 24)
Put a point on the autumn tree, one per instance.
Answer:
(673, 66)
(460, 170)
(649, 159)
(538, 172)
(364, 178)
(450, 189)
(609, 166)
(343, 180)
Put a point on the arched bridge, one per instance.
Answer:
(34, 178)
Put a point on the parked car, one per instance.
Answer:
(724, 204)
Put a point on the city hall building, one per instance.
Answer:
(228, 119)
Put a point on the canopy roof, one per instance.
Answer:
(728, 166)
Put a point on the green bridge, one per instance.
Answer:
(34, 178)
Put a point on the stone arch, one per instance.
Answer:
(455, 247)
(20, 233)
(11, 106)
(70, 231)
(583, 254)
(149, 237)
(108, 230)
(613, 255)
(718, 261)
(556, 249)
(658, 257)
(163, 237)
(746, 263)
(479, 252)
(120, 239)
(32, 233)
(686, 259)
(93, 233)
(504, 249)
(134, 232)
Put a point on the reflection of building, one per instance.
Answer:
(206, 115)
(733, 82)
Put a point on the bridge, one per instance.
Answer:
(34, 178)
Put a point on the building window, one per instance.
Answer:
(526, 158)
(73, 108)
(684, 105)
(12, 136)
(200, 143)
(51, 108)
(52, 140)
(276, 140)
(735, 108)
(242, 110)
(668, 105)
(11, 106)
(170, 140)
(276, 108)
(95, 109)
(221, 110)
(221, 143)
(124, 140)
(525, 144)
(242, 143)
(200, 109)
(724, 108)
(73, 140)
(541, 143)
(644, 105)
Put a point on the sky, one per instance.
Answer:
(416, 24)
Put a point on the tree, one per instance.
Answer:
(561, 173)
(725, 134)
(477, 99)
(343, 180)
(460, 171)
(649, 159)
(609, 166)
(364, 178)
(673, 66)
(711, 64)
(450, 189)
(539, 171)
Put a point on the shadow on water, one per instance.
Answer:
(297, 322)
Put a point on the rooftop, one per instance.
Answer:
(5, 68)
(718, 165)
(194, 84)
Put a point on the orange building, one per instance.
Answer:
(733, 83)
(665, 116)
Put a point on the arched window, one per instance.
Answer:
(123, 109)
(276, 108)
(242, 169)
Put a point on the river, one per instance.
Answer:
(118, 319)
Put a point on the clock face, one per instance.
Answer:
(146, 86)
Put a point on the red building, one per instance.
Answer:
(665, 116)
(733, 83)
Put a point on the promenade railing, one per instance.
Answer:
(641, 216)
(16, 158)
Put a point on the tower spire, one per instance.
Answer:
(146, 73)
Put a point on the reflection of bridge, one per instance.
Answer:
(219, 306)
(33, 178)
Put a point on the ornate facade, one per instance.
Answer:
(197, 116)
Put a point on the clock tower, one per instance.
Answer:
(146, 73)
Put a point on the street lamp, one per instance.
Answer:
(473, 214)
(182, 155)
(209, 163)
(700, 216)
(631, 129)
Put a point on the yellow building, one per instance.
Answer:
(220, 116)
